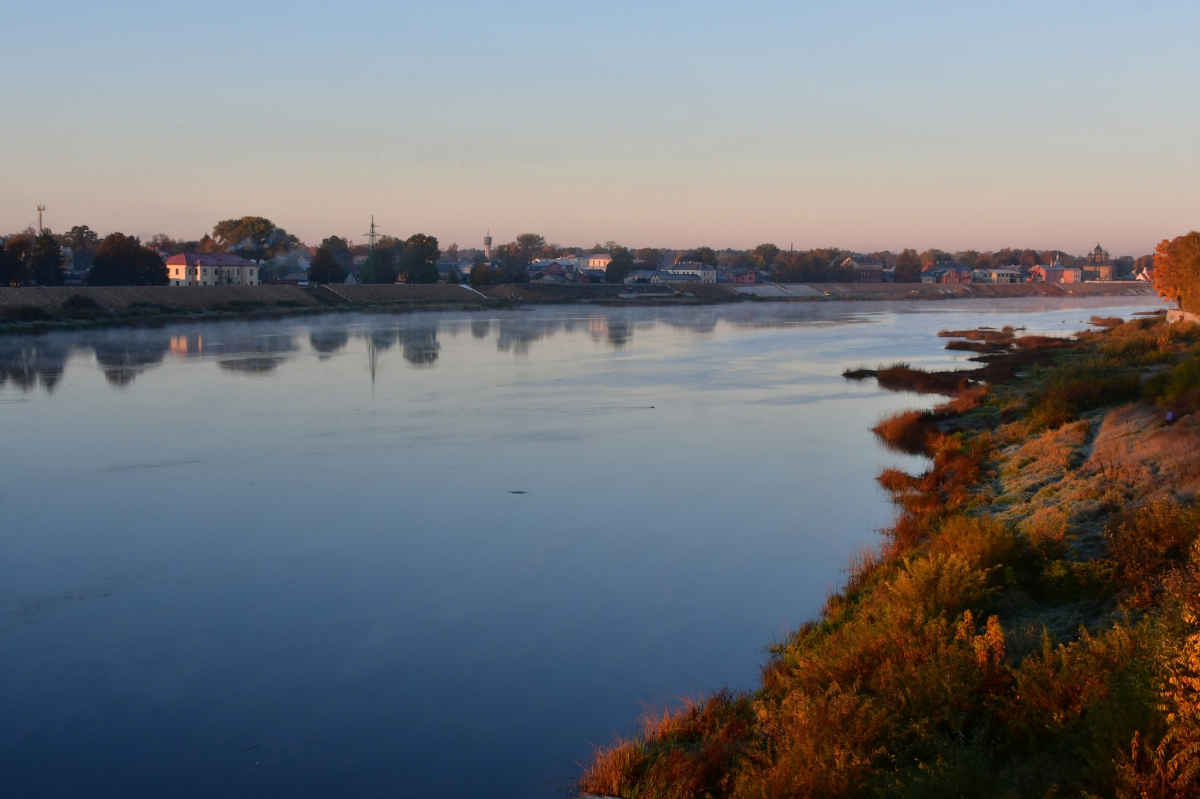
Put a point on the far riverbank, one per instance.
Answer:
(36, 309)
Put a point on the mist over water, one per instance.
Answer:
(431, 554)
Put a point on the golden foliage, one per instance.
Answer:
(1177, 270)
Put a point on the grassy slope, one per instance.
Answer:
(1028, 628)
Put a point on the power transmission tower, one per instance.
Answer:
(372, 263)
(41, 209)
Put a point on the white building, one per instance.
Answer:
(996, 276)
(702, 273)
(597, 260)
(211, 269)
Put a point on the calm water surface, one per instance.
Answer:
(429, 554)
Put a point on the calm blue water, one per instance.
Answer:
(286, 558)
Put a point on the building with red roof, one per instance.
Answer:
(211, 269)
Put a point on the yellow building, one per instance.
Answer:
(211, 269)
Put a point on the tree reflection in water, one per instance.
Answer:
(329, 340)
(28, 361)
(421, 346)
(258, 348)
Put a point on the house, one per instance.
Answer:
(597, 260)
(211, 269)
(592, 276)
(557, 265)
(744, 276)
(864, 269)
(673, 278)
(700, 273)
(1146, 275)
(996, 275)
(1055, 274)
(640, 276)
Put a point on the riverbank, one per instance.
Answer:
(48, 308)
(1029, 625)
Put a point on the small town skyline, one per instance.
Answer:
(40, 217)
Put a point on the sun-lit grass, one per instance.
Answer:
(970, 655)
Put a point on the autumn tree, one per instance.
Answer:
(122, 261)
(46, 259)
(810, 266)
(764, 256)
(529, 246)
(1177, 270)
(702, 255)
(419, 262)
(253, 237)
(14, 268)
(908, 266)
(511, 265)
(650, 256)
(935, 256)
(481, 274)
(324, 267)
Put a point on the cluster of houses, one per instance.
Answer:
(1096, 266)
(220, 269)
(593, 268)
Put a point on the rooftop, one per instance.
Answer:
(208, 259)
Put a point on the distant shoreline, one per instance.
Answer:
(42, 309)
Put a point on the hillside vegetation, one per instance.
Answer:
(1030, 625)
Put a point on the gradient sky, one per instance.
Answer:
(865, 125)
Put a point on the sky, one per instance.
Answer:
(861, 124)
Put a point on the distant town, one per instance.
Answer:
(253, 251)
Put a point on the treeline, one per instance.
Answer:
(38, 257)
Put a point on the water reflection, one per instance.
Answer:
(122, 358)
(26, 363)
(259, 348)
(421, 346)
(329, 340)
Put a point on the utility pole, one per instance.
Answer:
(41, 209)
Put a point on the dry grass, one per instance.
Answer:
(980, 334)
(910, 432)
(902, 377)
(982, 651)
(978, 346)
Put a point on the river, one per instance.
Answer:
(429, 554)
